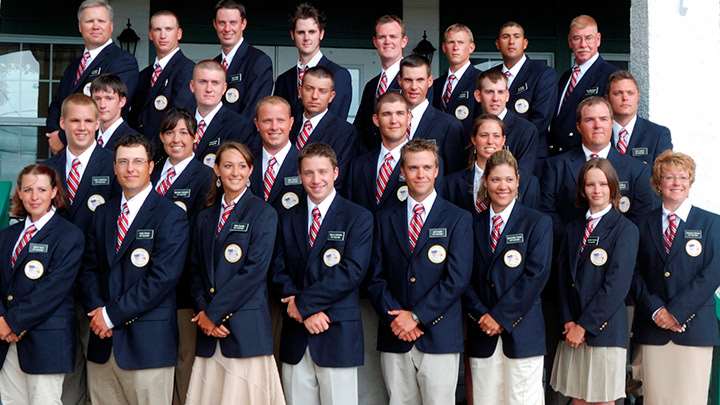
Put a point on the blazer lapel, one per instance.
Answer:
(85, 182)
(512, 219)
(39, 237)
(638, 132)
(425, 123)
(521, 78)
(434, 219)
(141, 218)
(678, 245)
(392, 184)
(325, 225)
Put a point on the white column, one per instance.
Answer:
(419, 16)
(138, 11)
(675, 53)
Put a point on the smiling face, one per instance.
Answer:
(512, 44)
(95, 26)
(274, 122)
(392, 120)
(389, 42)
(492, 96)
(420, 170)
(208, 86)
(165, 34)
(415, 83)
(457, 47)
(178, 142)
(233, 171)
(79, 123)
(132, 169)
(502, 186)
(318, 177)
(229, 26)
(597, 190)
(675, 184)
(307, 36)
(488, 139)
(36, 194)
(316, 94)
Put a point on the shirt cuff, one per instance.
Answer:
(654, 314)
(106, 318)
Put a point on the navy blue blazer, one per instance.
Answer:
(98, 182)
(225, 125)
(409, 280)
(361, 183)
(122, 130)
(251, 74)
(286, 87)
(139, 300)
(337, 133)
(681, 283)
(111, 60)
(233, 291)
(303, 272)
(593, 296)
(462, 95)
(648, 140)
(287, 184)
(173, 84)
(536, 83)
(41, 311)
(511, 295)
(458, 189)
(563, 130)
(448, 135)
(521, 137)
(367, 131)
(560, 178)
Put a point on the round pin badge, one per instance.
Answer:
(624, 205)
(86, 89)
(462, 112)
(598, 256)
(161, 102)
(522, 106)
(232, 95)
(693, 247)
(95, 201)
(34, 269)
(140, 257)
(290, 200)
(512, 258)
(437, 254)
(209, 160)
(233, 253)
(331, 257)
(181, 205)
(402, 193)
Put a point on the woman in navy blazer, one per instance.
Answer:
(678, 272)
(595, 264)
(39, 260)
(232, 246)
(461, 188)
(505, 340)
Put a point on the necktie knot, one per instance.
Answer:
(594, 156)
(316, 213)
(507, 74)
(672, 218)
(76, 163)
(576, 69)
(497, 220)
(419, 209)
(125, 209)
(389, 157)
(272, 161)
(452, 78)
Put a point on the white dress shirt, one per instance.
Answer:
(84, 161)
(477, 180)
(629, 128)
(504, 214)
(603, 153)
(514, 70)
(458, 75)
(427, 203)
(583, 68)
(314, 121)
(95, 52)
(230, 55)
(417, 114)
(279, 157)
(108, 133)
(311, 63)
(395, 152)
(324, 206)
(208, 117)
(179, 168)
(38, 225)
(166, 59)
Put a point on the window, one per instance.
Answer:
(487, 60)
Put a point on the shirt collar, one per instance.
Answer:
(229, 57)
(234, 201)
(209, 117)
(629, 127)
(136, 201)
(324, 205)
(316, 119)
(502, 114)
(312, 62)
(459, 73)
(585, 66)
(395, 152)
(164, 61)
(427, 203)
(95, 52)
(110, 130)
(505, 214)
(417, 113)
(178, 167)
(603, 153)
(682, 212)
(279, 156)
(84, 157)
(516, 67)
(598, 214)
(392, 71)
(40, 222)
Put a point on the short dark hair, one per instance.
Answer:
(232, 5)
(306, 11)
(17, 209)
(487, 117)
(173, 116)
(415, 61)
(320, 72)
(420, 145)
(589, 102)
(110, 83)
(492, 75)
(318, 149)
(511, 24)
(167, 13)
(621, 75)
(216, 190)
(131, 140)
(390, 97)
(610, 174)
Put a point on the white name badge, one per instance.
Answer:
(140, 257)
(161, 102)
(34, 270)
(437, 254)
(290, 200)
(331, 257)
(95, 201)
(693, 247)
(522, 106)
(402, 193)
(209, 160)
(512, 258)
(232, 95)
(598, 257)
(233, 253)
(462, 112)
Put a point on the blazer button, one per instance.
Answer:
(571, 134)
(667, 274)
(10, 297)
(212, 290)
(412, 280)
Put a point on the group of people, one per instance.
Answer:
(197, 240)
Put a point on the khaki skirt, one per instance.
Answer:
(593, 374)
(675, 375)
(221, 380)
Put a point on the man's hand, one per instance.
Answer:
(403, 322)
(54, 141)
(665, 320)
(292, 310)
(489, 325)
(98, 325)
(317, 323)
(411, 336)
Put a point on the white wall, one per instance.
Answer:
(138, 11)
(419, 16)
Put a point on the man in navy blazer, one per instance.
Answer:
(249, 71)
(278, 183)
(453, 91)
(633, 135)
(215, 121)
(521, 136)
(560, 175)
(587, 77)
(134, 256)
(427, 122)
(307, 29)
(421, 265)
(318, 124)
(164, 83)
(531, 83)
(100, 56)
(110, 95)
(321, 256)
(389, 39)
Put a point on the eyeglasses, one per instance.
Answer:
(133, 163)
